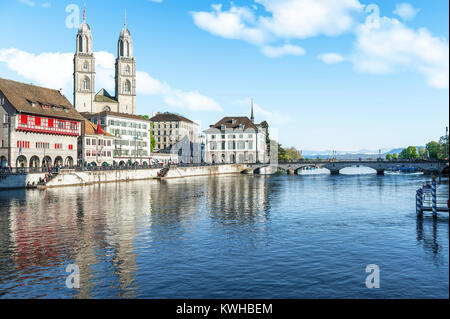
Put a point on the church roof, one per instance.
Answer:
(104, 96)
(169, 117)
(125, 32)
(84, 28)
(32, 99)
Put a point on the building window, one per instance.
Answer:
(86, 84)
(127, 87)
(85, 65)
(58, 146)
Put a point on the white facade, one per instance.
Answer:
(235, 146)
(132, 135)
(235, 140)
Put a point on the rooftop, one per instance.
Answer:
(88, 115)
(90, 128)
(169, 117)
(37, 100)
(235, 122)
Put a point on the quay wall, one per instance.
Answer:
(19, 180)
(73, 178)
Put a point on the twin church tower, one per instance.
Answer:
(85, 99)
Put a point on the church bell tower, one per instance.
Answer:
(84, 70)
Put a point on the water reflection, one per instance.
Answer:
(186, 237)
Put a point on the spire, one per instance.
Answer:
(84, 13)
(125, 23)
(251, 116)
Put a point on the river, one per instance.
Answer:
(235, 236)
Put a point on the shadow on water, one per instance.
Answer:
(429, 237)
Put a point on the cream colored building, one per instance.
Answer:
(170, 129)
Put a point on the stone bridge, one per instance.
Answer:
(428, 167)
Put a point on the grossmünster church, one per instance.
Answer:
(85, 98)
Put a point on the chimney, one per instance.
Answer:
(61, 91)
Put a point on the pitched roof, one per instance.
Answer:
(169, 117)
(116, 114)
(104, 96)
(90, 128)
(23, 96)
(235, 122)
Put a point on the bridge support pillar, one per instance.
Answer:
(380, 172)
(290, 172)
(334, 172)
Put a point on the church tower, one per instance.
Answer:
(125, 73)
(84, 70)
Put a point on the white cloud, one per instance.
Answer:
(308, 18)
(230, 24)
(55, 70)
(273, 117)
(405, 11)
(331, 58)
(287, 49)
(393, 46)
(46, 5)
(28, 2)
(283, 19)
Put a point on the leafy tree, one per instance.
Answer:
(282, 156)
(422, 153)
(433, 149)
(389, 157)
(152, 138)
(408, 153)
(443, 142)
(394, 156)
(293, 154)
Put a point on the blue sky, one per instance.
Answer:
(324, 74)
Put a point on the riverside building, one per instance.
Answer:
(236, 139)
(95, 146)
(39, 126)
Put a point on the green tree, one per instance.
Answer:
(394, 156)
(282, 156)
(293, 154)
(433, 149)
(443, 149)
(408, 153)
(422, 153)
(389, 157)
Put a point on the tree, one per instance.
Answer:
(394, 156)
(282, 156)
(389, 157)
(422, 153)
(443, 150)
(433, 149)
(293, 154)
(409, 153)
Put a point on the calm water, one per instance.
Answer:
(227, 237)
